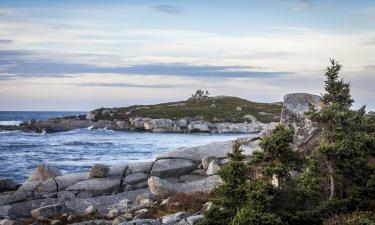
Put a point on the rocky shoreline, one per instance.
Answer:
(182, 125)
(130, 193)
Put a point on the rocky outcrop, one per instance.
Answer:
(181, 125)
(161, 187)
(172, 167)
(293, 115)
(216, 149)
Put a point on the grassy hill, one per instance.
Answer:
(212, 109)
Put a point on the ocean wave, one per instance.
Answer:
(10, 123)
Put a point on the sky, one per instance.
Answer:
(84, 54)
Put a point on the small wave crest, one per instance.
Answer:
(10, 123)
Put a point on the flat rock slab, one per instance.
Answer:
(117, 170)
(14, 197)
(104, 203)
(161, 187)
(142, 222)
(22, 209)
(135, 178)
(172, 167)
(140, 167)
(97, 186)
(217, 149)
(68, 180)
(94, 222)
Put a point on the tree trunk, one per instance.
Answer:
(332, 179)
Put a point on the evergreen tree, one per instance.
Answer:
(340, 163)
(277, 158)
(231, 194)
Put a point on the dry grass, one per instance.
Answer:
(189, 202)
(355, 218)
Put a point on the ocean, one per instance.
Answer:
(77, 150)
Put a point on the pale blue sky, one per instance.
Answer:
(83, 54)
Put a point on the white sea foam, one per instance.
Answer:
(10, 123)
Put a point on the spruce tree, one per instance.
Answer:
(231, 194)
(339, 166)
(276, 160)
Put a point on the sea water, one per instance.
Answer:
(77, 150)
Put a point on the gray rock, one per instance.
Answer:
(213, 167)
(135, 178)
(122, 218)
(7, 185)
(199, 126)
(140, 167)
(145, 199)
(99, 171)
(113, 213)
(68, 180)
(48, 186)
(98, 186)
(267, 130)
(183, 122)
(117, 170)
(217, 149)
(43, 173)
(192, 220)
(23, 209)
(201, 172)
(66, 195)
(94, 222)
(91, 210)
(10, 222)
(172, 167)
(142, 222)
(29, 186)
(56, 222)
(161, 187)
(122, 125)
(293, 115)
(84, 195)
(174, 218)
(17, 196)
(140, 185)
(206, 161)
(159, 125)
(141, 213)
(49, 211)
(106, 112)
(191, 177)
(105, 203)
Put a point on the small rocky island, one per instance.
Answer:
(200, 113)
(173, 189)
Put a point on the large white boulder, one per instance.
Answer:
(293, 115)
(161, 187)
(172, 167)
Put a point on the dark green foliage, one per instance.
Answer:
(252, 217)
(339, 166)
(211, 109)
(335, 185)
(230, 195)
(277, 158)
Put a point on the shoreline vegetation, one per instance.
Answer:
(313, 164)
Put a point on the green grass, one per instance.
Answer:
(212, 109)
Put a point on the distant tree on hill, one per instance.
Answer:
(199, 94)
